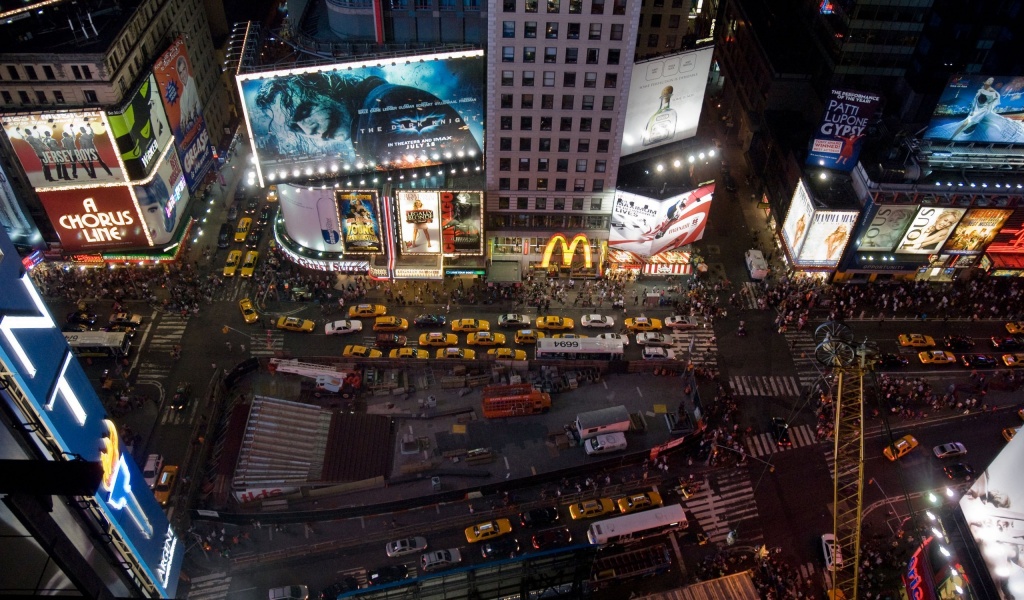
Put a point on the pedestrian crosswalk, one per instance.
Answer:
(696, 345)
(267, 345)
(802, 347)
(749, 295)
(725, 503)
(159, 341)
(765, 385)
(764, 444)
(214, 586)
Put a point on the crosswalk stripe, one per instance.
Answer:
(214, 586)
(764, 444)
(732, 507)
(765, 385)
(749, 295)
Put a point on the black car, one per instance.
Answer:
(539, 517)
(551, 538)
(388, 574)
(233, 212)
(780, 431)
(181, 396)
(959, 472)
(430, 321)
(253, 239)
(958, 342)
(1007, 343)
(82, 318)
(75, 327)
(265, 215)
(978, 361)
(332, 591)
(503, 547)
(889, 360)
(251, 205)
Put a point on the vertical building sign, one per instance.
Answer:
(840, 134)
(360, 225)
(140, 129)
(179, 92)
(461, 223)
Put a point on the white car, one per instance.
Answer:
(406, 546)
(154, 462)
(342, 327)
(833, 553)
(653, 338)
(681, 322)
(658, 353)
(440, 559)
(514, 321)
(614, 336)
(598, 321)
(949, 450)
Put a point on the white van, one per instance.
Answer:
(290, 592)
(756, 264)
(604, 443)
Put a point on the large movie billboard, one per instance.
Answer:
(798, 219)
(665, 99)
(419, 215)
(976, 230)
(840, 134)
(647, 227)
(61, 149)
(94, 219)
(179, 92)
(929, 230)
(13, 219)
(163, 199)
(826, 238)
(311, 217)
(979, 108)
(381, 114)
(886, 228)
(461, 223)
(359, 221)
(140, 129)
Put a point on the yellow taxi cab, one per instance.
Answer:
(588, 509)
(1010, 432)
(248, 311)
(643, 324)
(232, 264)
(244, 225)
(353, 351)
(506, 354)
(1015, 327)
(272, 193)
(488, 530)
(637, 502)
(916, 340)
(295, 324)
(165, 484)
(249, 264)
(936, 357)
(455, 353)
(528, 336)
(900, 448)
(390, 324)
(554, 322)
(367, 310)
(409, 353)
(439, 339)
(470, 325)
(569, 336)
(1013, 360)
(485, 338)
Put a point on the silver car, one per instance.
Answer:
(440, 559)
(950, 450)
(406, 546)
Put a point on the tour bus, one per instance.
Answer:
(637, 526)
(99, 343)
(579, 349)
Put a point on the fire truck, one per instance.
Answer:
(514, 400)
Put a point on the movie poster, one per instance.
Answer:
(140, 129)
(311, 217)
(359, 223)
(179, 92)
(420, 220)
(647, 227)
(163, 200)
(798, 219)
(13, 219)
(886, 228)
(979, 108)
(826, 238)
(840, 134)
(64, 149)
(461, 222)
(976, 230)
(929, 229)
(95, 219)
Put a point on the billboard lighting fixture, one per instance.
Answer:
(984, 185)
(360, 165)
(321, 170)
(296, 173)
(701, 156)
(711, 153)
(691, 159)
(677, 163)
(334, 168)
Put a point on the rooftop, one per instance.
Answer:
(786, 41)
(81, 27)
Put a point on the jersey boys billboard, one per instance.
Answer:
(179, 93)
(64, 149)
(840, 134)
(389, 113)
(665, 98)
(646, 226)
(140, 129)
(979, 108)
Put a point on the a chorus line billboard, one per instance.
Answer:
(360, 221)
(63, 149)
(886, 228)
(140, 129)
(976, 230)
(646, 227)
(383, 114)
(94, 219)
(929, 230)
(665, 98)
(311, 217)
(179, 92)
(59, 396)
(163, 199)
(840, 134)
(461, 223)
(979, 108)
(419, 215)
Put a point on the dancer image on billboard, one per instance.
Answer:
(984, 105)
(982, 122)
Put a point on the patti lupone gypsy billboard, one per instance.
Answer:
(647, 227)
(360, 225)
(979, 108)
(179, 92)
(383, 114)
(461, 223)
(976, 230)
(311, 217)
(840, 134)
(64, 149)
(929, 230)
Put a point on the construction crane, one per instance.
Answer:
(849, 363)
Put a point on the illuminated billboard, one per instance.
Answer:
(979, 108)
(798, 219)
(94, 219)
(68, 418)
(886, 228)
(163, 199)
(13, 219)
(60, 149)
(461, 221)
(179, 93)
(665, 98)
(976, 230)
(140, 129)
(929, 230)
(383, 114)
(311, 217)
(418, 213)
(646, 227)
(840, 134)
(360, 222)
(827, 235)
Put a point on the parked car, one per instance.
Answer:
(613, 336)
(82, 318)
(588, 509)
(638, 502)
(959, 472)
(957, 342)
(978, 361)
(165, 484)
(916, 340)
(680, 322)
(181, 397)
(1008, 343)
(780, 431)
(126, 318)
(295, 324)
(900, 448)
(151, 470)
(889, 360)
(331, 592)
(833, 553)
(487, 530)
(657, 353)
(430, 321)
(653, 338)
(643, 324)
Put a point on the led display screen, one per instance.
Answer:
(647, 227)
(976, 230)
(64, 149)
(179, 92)
(360, 221)
(311, 217)
(929, 229)
(461, 220)
(979, 108)
(840, 134)
(140, 129)
(886, 228)
(94, 219)
(419, 216)
(163, 199)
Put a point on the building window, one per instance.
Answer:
(23, 95)
(575, 7)
(593, 56)
(8, 99)
(597, 7)
(41, 97)
(611, 80)
(652, 40)
(542, 164)
(595, 203)
(506, 123)
(613, 56)
(567, 101)
(90, 96)
(423, 5)
(600, 166)
(619, 7)
(571, 55)
(504, 164)
(507, 78)
(522, 203)
(595, 31)
(562, 165)
(544, 145)
(547, 101)
(563, 144)
(472, 5)
(588, 103)
(505, 144)
(526, 101)
(604, 126)
(560, 185)
(671, 40)
(530, 29)
(590, 80)
(656, 20)
(608, 103)
(523, 184)
(541, 203)
(583, 146)
(506, 100)
(508, 54)
(559, 203)
(525, 144)
(31, 72)
(529, 54)
(503, 202)
(509, 6)
(48, 72)
(616, 32)
(531, 6)
(528, 77)
(508, 29)
(504, 183)
(551, 31)
(524, 164)
(602, 146)
(573, 32)
(673, 21)
(565, 124)
(577, 203)
(545, 123)
(12, 71)
(586, 124)
(549, 79)
(86, 72)
(525, 123)
(550, 55)
(569, 80)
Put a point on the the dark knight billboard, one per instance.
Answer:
(979, 108)
(840, 134)
(383, 114)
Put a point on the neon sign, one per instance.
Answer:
(568, 249)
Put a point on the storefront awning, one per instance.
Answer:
(504, 271)
(670, 269)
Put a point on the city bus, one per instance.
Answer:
(579, 349)
(637, 526)
(99, 343)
